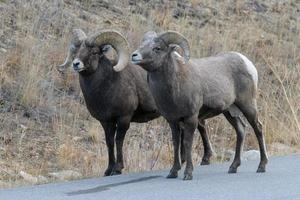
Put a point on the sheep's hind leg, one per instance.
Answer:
(239, 127)
(182, 149)
(176, 142)
(250, 112)
(110, 131)
(206, 143)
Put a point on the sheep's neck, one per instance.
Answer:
(167, 80)
(101, 79)
(169, 74)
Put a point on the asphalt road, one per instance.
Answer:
(280, 182)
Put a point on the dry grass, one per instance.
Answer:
(45, 127)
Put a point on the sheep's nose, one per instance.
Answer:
(76, 64)
(136, 56)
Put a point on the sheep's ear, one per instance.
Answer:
(106, 48)
(177, 53)
(173, 47)
(150, 35)
(109, 52)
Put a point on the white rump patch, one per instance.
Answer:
(250, 67)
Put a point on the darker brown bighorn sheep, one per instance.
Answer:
(113, 94)
(190, 90)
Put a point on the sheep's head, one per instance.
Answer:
(85, 52)
(155, 49)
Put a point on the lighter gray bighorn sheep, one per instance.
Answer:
(190, 90)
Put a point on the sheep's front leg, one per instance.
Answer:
(110, 130)
(176, 142)
(122, 127)
(190, 125)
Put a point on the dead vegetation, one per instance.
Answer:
(44, 124)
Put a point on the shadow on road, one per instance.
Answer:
(108, 186)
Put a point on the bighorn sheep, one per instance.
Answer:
(114, 95)
(187, 90)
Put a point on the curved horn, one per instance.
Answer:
(150, 35)
(116, 40)
(78, 37)
(173, 37)
(68, 60)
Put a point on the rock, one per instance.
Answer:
(229, 155)
(257, 6)
(3, 50)
(251, 155)
(33, 179)
(28, 177)
(281, 148)
(65, 175)
(42, 179)
(87, 139)
(3, 184)
(23, 127)
(132, 2)
(78, 139)
(6, 169)
(198, 13)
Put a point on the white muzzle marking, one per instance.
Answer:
(77, 65)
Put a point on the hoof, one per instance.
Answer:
(115, 172)
(111, 171)
(172, 175)
(205, 162)
(187, 177)
(108, 172)
(232, 170)
(261, 170)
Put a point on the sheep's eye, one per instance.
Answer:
(156, 49)
(94, 52)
